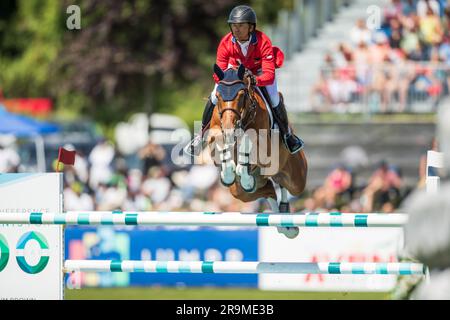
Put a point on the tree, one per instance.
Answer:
(127, 48)
(128, 56)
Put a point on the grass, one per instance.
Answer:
(159, 293)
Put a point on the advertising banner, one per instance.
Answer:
(30, 255)
(330, 245)
(159, 243)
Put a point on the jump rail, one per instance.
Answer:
(153, 218)
(404, 268)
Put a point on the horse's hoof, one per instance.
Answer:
(249, 187)
(227, 184)
(290, 232)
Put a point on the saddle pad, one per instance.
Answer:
(273, 124)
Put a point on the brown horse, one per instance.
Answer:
(250, 154)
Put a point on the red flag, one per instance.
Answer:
(66, 157)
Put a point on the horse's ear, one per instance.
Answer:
(219, 72)
(241, 71)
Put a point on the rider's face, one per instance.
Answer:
(241, 31)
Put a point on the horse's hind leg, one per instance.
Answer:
(290, 232)
(284, 203)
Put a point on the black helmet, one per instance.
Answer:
(242, 14)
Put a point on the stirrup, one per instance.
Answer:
(194, 147)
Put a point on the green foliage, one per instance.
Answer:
(129, 56)
(30, 41)
(186, 102)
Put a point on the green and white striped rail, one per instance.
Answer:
(243, 267)
(311, 219)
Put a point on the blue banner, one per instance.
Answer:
(146, 243)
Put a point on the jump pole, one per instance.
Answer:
(153, 218)
(247, 267)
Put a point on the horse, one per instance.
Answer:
(240, 135)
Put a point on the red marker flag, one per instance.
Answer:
(66, 157)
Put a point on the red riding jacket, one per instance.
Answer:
(260, 57)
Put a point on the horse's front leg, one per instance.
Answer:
(228, 166)
(247, 180)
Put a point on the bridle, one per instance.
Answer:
(248, 115)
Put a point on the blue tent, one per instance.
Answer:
(24, 127)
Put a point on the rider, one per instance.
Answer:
(252, 48)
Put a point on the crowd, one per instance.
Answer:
(388, 69)
(383, 191)
(105, 180)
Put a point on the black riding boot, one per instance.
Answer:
(292, 142)
(196, 145)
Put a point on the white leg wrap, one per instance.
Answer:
(248, 182)
(290, 232)
(227, 174)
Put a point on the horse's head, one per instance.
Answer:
(234, 98)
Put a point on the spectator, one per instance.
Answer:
(444, 51)
(113, 194)
(341, 87)
(310, 205)
(383, 187)
(337, 183)
(446, 21)
(152, 154)
(379, 52)
(423, 6)
(409, 7)
(75, 198)
(410, 40)
(359, 33)
(81, 167)
(401, 75)
(156, 185)
(362, 64)
(393, 10)
(344, 56)
(395, 33)
(101, 158)
(321, 92)
(9, 159)
(430, 30)
(320, 89)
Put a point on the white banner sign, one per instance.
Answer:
(330, 245)
(31, 256)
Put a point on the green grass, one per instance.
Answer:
(158, 293)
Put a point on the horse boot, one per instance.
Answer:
(292, 142)
(197, 144)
